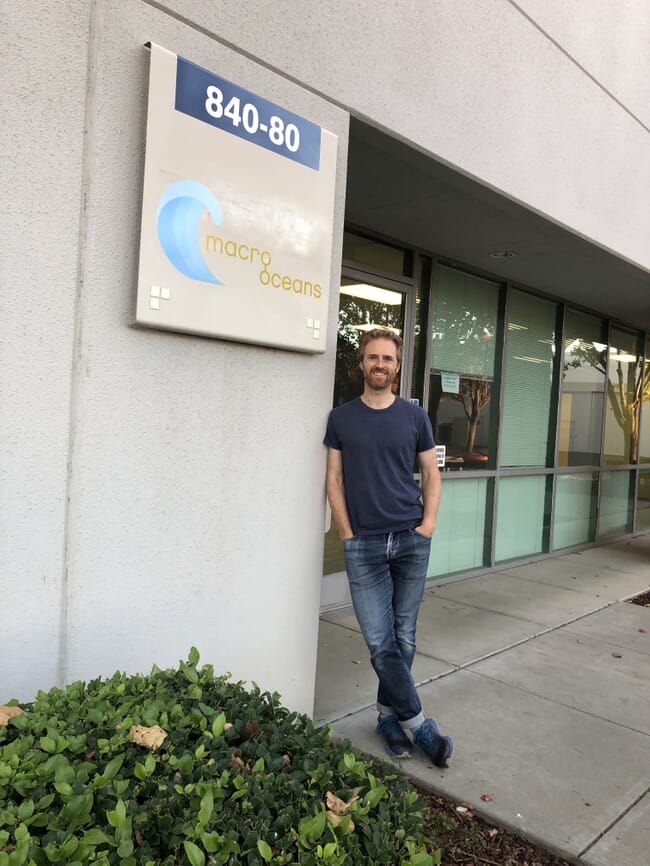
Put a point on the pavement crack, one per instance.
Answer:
(614, 822)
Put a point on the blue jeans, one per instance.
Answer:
(387, 575)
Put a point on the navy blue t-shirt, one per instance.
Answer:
(378, 448)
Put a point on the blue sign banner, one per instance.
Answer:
(214, 100)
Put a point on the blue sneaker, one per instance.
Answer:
(433, 744)
(398, 744)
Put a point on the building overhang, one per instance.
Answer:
(400, 193)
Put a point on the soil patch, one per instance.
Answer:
(643, 599)
(468, 840)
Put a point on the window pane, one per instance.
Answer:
(375, 255)
(574, 521)
(522, 516)
(623, 398)
(615, 504)
(528, 381)
(362, 307)
(644, 450)
(465, 310)
(643, 502)
(461, 379)
(459, 540)
(583, 390)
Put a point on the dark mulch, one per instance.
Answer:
(467, 840)
(643, 599)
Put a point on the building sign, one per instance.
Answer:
(237, 212)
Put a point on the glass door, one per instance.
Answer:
(365, 303)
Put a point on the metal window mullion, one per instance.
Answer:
(559, 342)
(428, 352)
(602, 467)
(502, 362)
(408, 345)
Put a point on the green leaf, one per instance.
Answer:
(193, 657)
(210, 841)
(194, 854)
(311, 829)
(48, 745)
(25, 810)
(125, 849)
(77, 805)
(70, 846)
(111, 769)
(206, 808)
(63, 788)
(420, 858)
(64, 772)
(139, 771)
(258, 766)
(265, 850)
(374, 796)
(120, 786)
(21, 833)
(95, 837)
(190, 673)
(218, 725)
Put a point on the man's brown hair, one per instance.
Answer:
(380, 334)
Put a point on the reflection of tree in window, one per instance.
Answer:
(626, 386)
(463, 344)
(474, 396)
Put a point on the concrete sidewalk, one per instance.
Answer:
(541, 674)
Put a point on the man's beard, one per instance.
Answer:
(380, 384)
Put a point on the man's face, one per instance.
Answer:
(379, 365)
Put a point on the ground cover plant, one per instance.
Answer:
(182, 767)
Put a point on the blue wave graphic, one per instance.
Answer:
(179, 210)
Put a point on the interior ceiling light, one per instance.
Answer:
(371, 326)
(625, 357)
(503, 254)
(372, 293)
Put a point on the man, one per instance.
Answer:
(386, 522)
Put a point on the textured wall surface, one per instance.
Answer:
(610, 40)
(196, 489)
(483, 88)
(44, 67)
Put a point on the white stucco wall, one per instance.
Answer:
(478, 85)
(610, 40)
(44, 66)
(195, 500)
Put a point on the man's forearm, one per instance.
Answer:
(431, 492)
(336, 493)
(336, 497)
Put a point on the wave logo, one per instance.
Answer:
(179, 211)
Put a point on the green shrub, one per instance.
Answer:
(238, 780)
